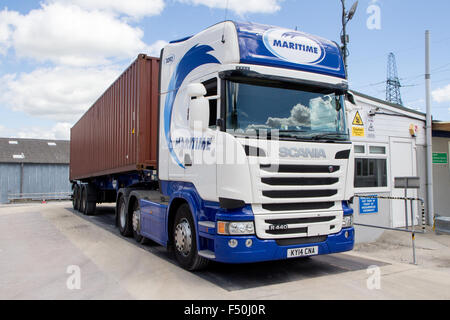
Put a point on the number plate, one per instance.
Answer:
(302, 252)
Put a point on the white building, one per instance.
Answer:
(389, 141)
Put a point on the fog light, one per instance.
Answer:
(346, 234)
(233, 243)
(248, 243)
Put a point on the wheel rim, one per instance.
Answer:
(183, 237)
(122, 214)
(136, 219)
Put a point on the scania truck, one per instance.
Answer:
(232, 146)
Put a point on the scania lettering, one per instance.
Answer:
(302, 152)
(232, 146)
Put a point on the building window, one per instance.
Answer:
(377, 150)
(370, 173)
(371, 168)
(360, 149)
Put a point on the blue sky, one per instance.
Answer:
(57, 56)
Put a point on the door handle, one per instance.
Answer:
(187, 160)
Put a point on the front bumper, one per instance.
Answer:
(266, 250)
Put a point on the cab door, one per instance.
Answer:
(199, 157)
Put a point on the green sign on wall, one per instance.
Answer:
(440, 158)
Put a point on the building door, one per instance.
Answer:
(403, 164)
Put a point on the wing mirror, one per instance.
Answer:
(198, 107)
(350, 97)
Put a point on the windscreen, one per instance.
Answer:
(293, 112)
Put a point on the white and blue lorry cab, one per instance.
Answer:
(255, 161)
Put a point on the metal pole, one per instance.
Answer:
(406, 208)
(344, 36)
(21, 178)
(413, 235)
(430, 204)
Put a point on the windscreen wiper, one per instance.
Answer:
(328, 134)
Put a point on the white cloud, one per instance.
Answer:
(69, 35)
(442, 94)
(154, 50)
(7, 18)
(60, 131)
(320, 114)
(132, 8)
(240, 7)
(60, 93)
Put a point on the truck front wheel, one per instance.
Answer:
(185, 241)
(136, 218)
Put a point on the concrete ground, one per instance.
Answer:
(43, 247)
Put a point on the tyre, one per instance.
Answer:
(185, 242)
(75, 195)
(124, 219)
(78, 202)
(91, 200)
(90, 208)
(136, 221)
(82, 198)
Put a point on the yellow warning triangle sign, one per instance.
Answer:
(357, 121)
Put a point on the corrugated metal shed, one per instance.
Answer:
(31, 166)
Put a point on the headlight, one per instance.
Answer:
(235, 228)
(347, 222)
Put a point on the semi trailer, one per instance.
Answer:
(232, 146)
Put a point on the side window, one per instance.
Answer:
(211, 90)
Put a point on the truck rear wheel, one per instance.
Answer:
(124, 219)
(185, 241)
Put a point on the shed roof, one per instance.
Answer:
(394, 105)
(441, 126)
(14, 150)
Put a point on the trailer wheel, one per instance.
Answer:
(124, 219)
(82, 197)
(75, 195)
(78, 203)
(91, 197)
(185, 241)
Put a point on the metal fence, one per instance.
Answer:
(14, 197)
(413, 231)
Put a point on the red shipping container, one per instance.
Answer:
(119, 133)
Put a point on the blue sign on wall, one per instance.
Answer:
(368, 205)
